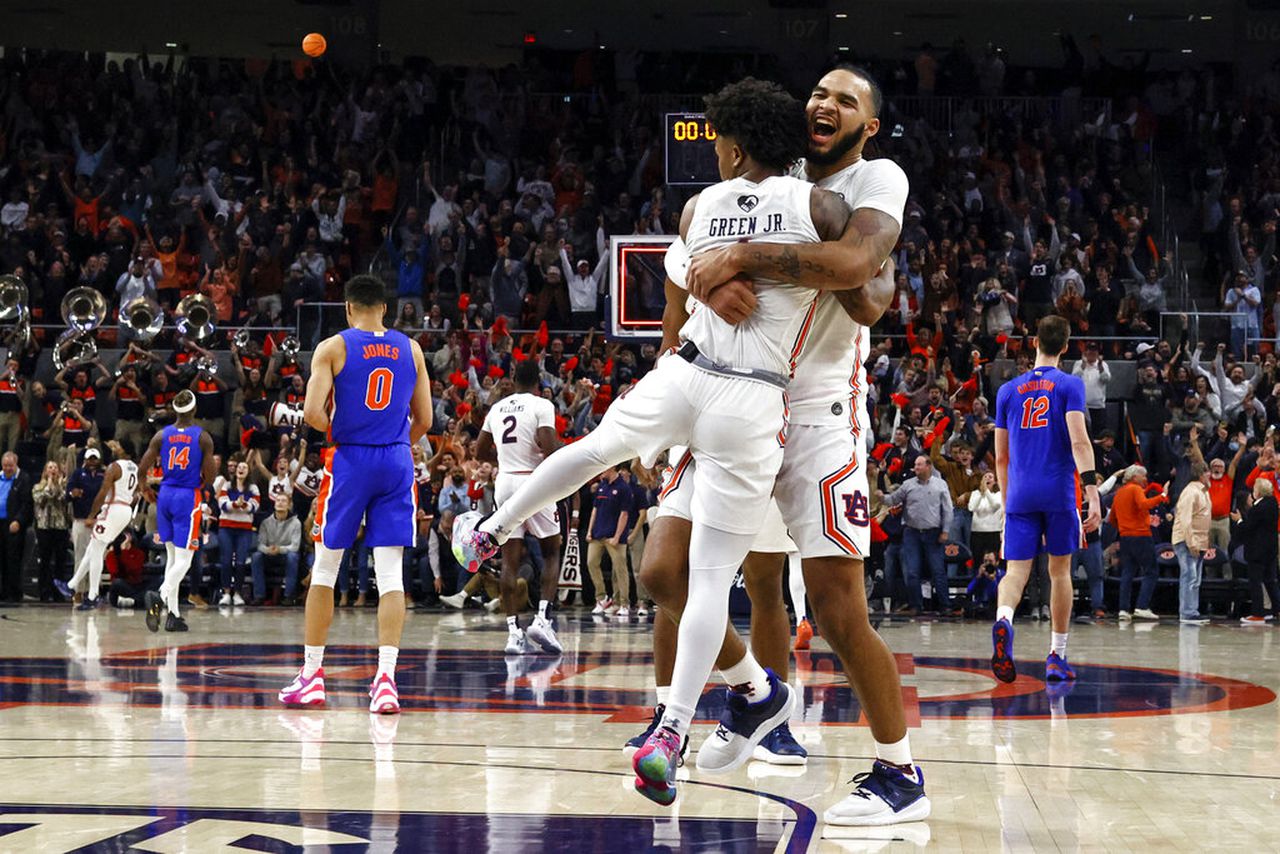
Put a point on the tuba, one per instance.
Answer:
(83, 310)
(241, 339)
(290, 347)
(207, 365)
(14, 303)
(14, 306)
(194, 317)
(141, 319)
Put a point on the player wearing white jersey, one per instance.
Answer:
(518, 433)
(108, 517)
(729, 413)
(822, 487)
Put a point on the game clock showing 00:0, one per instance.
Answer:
(690, 150)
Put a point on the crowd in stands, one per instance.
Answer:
(487, 207)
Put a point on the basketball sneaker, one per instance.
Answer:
(154, 605)
(636, 742)
(804, 633)
(384, 699)
(542, 633)
(471, 546)
(743, 725)
(64, 589)
(87, 604)
(1002, 658)
(655, 765)
(174, 623)
(304, 691)
(1056, 669)
(884, 795)
(780, 747)
(516, 644)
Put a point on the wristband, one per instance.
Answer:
(1089, 478)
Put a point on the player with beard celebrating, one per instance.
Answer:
(822, 487)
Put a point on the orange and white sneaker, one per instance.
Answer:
(804, 634)
(384, 698)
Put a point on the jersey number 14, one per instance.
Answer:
(1034, 410)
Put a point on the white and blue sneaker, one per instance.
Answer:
(780, 747)
(884, 795)
(471, 546)
(743, 725)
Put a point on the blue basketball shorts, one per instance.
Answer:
(369, 484)
(1056, 533)
(178, 516)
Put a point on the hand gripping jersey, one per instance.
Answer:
(776, 210)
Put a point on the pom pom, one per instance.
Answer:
(518, 355)
(458, 380)
(900, 400)
(464, 302)
(496, 372)
(543, 337)
(570, 365)
(464, 409)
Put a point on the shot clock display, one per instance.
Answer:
(690, 150)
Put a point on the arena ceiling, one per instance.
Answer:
(496, 31)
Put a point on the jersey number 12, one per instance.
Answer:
(1033, 412)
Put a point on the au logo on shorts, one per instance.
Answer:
(836, 408)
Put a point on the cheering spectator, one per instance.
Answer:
(1190, 541)
(1131, 516)
(926, 517)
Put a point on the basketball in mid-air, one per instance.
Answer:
(314, 44)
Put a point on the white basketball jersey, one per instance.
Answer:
(126, 485)
(776, 210)
(830, 382)
(513, 422)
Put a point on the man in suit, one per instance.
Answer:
(1257, 533)
(15, 517)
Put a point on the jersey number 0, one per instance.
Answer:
(377, 396)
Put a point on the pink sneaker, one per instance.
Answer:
(303, 691)
(385, 699)
(655, 765)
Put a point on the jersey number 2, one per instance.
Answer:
(1033, 412)
(179, 457)
(509, 433)
(377, 396)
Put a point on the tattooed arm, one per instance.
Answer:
(847, 260)
(866, 305)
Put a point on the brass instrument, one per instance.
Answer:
(14, 300)
(194, 317)
(141, 319)
(83, 310)
(241, 339)
(207, 365)
(290, 347)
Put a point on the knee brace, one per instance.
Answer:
(388, 569)
(324, 572)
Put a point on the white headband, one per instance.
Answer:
(183, 409)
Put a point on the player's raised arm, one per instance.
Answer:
(1082, 453)
(420, 404)
(315, 406)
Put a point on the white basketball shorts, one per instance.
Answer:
(112, 519)
(677, 494)
(731, 425)
(822, 491)
(545, 523)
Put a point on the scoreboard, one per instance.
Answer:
(637, 286)
(690, 150)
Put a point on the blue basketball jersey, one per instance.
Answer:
(371, 393)
(1042, 471)
(181, 459)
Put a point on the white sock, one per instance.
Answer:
(513, 625)
(714, 558)
(1004, 612)
(312, 660)
(795, 582)
(387, 660)
(898, 753)
(93, 559)
(664, 694)
(559, 475)
(173, 576)
(748, 677)
(543, 607)
(1059, 643)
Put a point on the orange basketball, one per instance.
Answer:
(314, 44)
